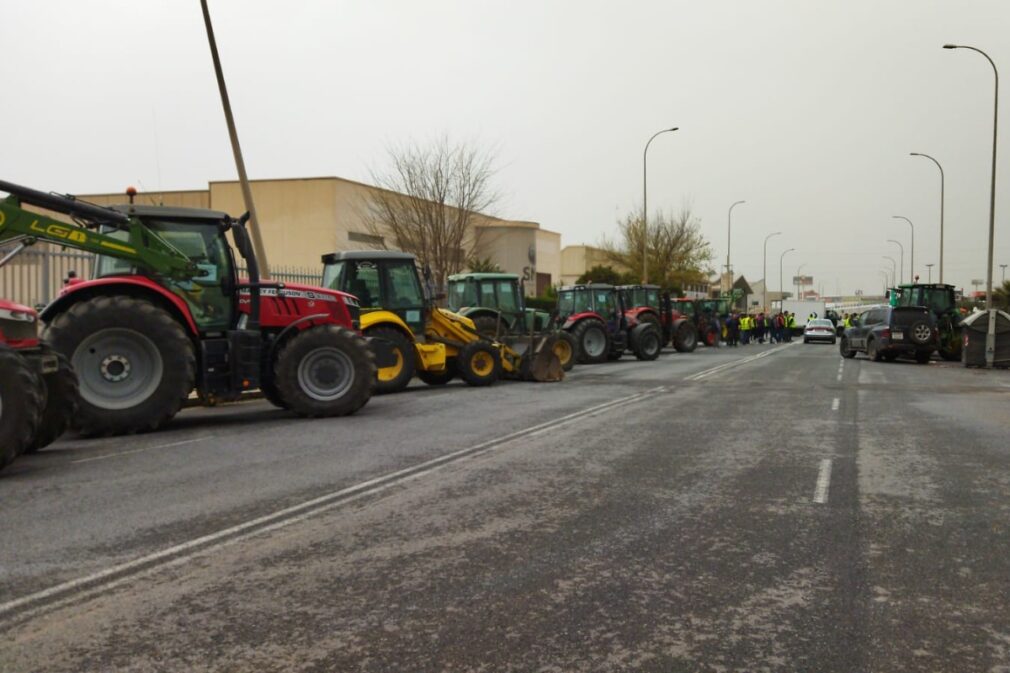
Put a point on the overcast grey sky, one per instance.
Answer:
(806, 109)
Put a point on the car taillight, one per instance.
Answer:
(886, 333)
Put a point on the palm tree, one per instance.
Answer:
(1001, 296)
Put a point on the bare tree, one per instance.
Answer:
(430, 201)
(678, 253)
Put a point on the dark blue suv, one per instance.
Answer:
(888, 332)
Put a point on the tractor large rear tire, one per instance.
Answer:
(134, 362)
(22, 399)
(325, 371)
(61, 403)
(487, 327)
(479, 363)
(593, 340)
(397, 377)
(685, 338)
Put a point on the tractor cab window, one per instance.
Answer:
(404, 288)
(603, 300)
(508, 302)
(362, 280)
(685, 307)
(574, 301)
(487, 297)
(333, 275)
(652, 297)
(462, 293)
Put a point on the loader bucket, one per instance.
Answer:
(539, 361)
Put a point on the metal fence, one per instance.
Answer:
(34, 277)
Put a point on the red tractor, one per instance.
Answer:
(595, 316)
(645, 303)
(38, 388)
(167, 314)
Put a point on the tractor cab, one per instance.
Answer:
(941, 301)
(198, 234)
(382, 281)
(483, 297)
(640, 296)
(593, 298)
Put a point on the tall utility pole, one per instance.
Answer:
(645, 203)
(764, 273)
(902, 257)
(894, 271)
(729, 239)
(930, 268)
(254, 223)
(1003, 277)
(992, 188)
(920, 154)
(911, 255)
(799, 290)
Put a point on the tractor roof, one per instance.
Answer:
(171, 212)
(638, 286)
(483, 276)
(332, 257)
(588, 286)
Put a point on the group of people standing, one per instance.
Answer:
(744, 328)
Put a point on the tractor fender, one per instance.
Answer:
(373, 319)
(571, 320)
(135, 286)
(288, 331)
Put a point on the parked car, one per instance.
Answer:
(820, 329)
(886, 333)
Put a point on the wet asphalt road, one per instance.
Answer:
(751, 509)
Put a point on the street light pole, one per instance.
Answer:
(884, 273)
(902, 274)
(911, 256)
(894, 270)
(782, 296)
(729, 238)
(1003, 267)
(992, 186)
(645, 203)
(930, 268)
(920, 154)
(764, 273)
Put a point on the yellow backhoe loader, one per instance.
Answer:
(432, 342)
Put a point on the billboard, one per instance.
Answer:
(803, 280)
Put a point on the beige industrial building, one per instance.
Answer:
(578, 259)
(302, 218)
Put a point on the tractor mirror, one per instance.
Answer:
(241, 240)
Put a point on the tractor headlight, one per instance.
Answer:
(16, 316)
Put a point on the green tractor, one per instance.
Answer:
(496, 304)
(942, 303)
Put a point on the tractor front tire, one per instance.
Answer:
(646, 342)
(61, 403)
(22, 399)
(325, 371)
(685, 338)
(593, 340)
(479, 363)
(567, 350)
(134, 362)
(395, 378)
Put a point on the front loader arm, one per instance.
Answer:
(143, 247)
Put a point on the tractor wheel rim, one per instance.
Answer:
(593, 342)
(117, 368)
(325, 374)
(650, 344)
(481, 363)
(563, 350)
(391, 372)
(921, 333)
